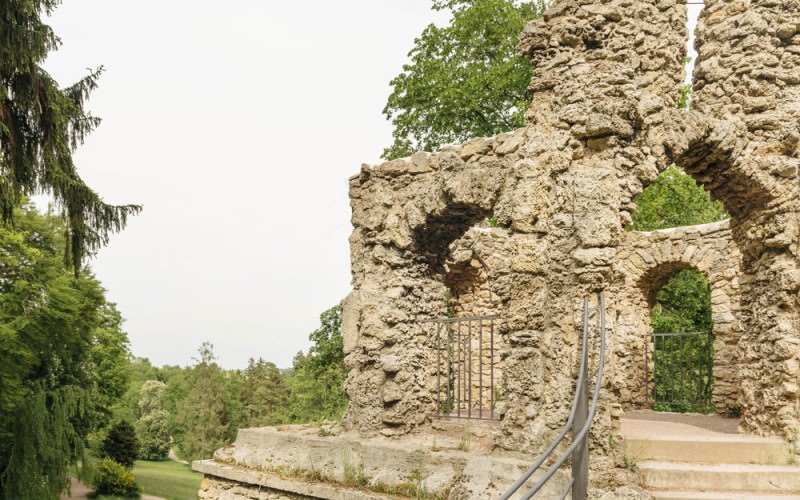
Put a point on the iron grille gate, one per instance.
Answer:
(465, 366)
(682, 377)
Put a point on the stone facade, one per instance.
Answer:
(603, 124)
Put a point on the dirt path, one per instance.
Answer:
(175, 458)
(79, 491)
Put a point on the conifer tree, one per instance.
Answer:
(264, 396)
(41, 124)
(205, 416)
(121, 444)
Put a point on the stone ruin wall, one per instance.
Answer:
(748, 74)
(602, 126)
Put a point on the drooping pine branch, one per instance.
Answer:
(41, 124)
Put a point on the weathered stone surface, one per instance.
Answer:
(523, 225)
(296, 462)
(603, 124)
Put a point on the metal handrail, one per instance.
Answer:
(579, 438)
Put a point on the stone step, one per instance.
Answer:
(722, 449)
(719, 495)
(737, 478)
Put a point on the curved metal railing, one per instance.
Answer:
(579, 421)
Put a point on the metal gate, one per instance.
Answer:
(466, 370)
(681, 379)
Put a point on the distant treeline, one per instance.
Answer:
(198, 409)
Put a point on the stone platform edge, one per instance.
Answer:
(250, 477)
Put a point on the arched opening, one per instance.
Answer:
(682, 250)
(674, 199)
(682, 344)
(461, 250)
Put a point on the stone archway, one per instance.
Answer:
(647, 260)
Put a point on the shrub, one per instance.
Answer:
(121, 444)
(112, 478)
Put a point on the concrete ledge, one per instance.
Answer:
(709, 449)
(303, 488)
(781, 479)
(434, 464)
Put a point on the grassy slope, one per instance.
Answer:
(167, 479)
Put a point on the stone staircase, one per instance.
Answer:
(699, 457)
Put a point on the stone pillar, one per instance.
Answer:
(747, 76)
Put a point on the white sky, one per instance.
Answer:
(236, 124)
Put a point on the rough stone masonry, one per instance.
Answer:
(602, 125)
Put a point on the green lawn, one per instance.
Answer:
(167, 479)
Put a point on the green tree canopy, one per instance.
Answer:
(317, 383)
(674, 199)
(206, 416)
(41, 124)
(56, 332)
(265, 395)
(464, 79)
(152, 427)
(683, 304)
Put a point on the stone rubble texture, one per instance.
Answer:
(525, 224)
(602, 125)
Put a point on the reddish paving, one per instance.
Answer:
(646, 422)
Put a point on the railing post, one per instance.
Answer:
(580, 457)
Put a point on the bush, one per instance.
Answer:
(112, 478)
(121, 444)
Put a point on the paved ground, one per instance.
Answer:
(79, 491)
(686, 424)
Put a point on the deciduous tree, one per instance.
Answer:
(54, 331)
(464, 79)
(674, 199)
(317, 383)
(152, 427)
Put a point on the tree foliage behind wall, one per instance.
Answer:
(464, 80)
(203, 406)
(317, 382)
(675, 199)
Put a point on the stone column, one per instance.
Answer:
(747, 75)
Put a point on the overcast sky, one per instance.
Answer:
(236, 124)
